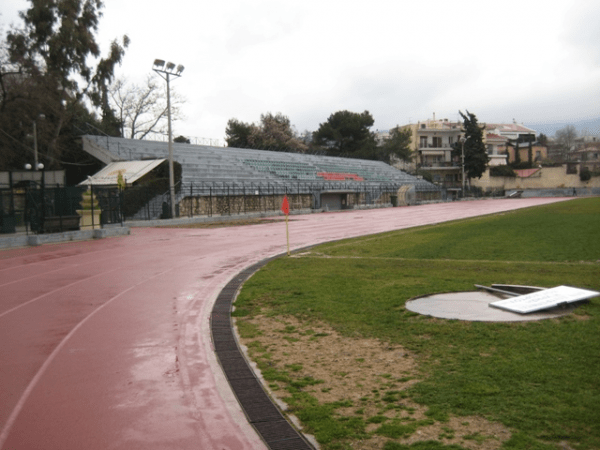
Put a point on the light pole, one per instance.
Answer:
(35, 145)
(40, 216)
(166, 71)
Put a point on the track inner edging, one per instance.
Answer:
(262, 413)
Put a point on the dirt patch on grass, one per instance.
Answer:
(368, 377)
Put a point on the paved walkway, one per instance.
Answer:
(106, 344)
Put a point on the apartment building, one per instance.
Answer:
(432, 142)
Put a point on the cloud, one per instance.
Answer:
(400, 61)
(583, 31)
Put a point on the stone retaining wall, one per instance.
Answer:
(240, 204)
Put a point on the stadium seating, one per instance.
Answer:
(206, 164)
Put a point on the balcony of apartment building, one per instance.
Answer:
(430, 144)
(440, 165)
(435, 151)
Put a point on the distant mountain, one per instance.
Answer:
(590, 127)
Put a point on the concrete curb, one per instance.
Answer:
(33, 240)
(234, 217)
(211, 219)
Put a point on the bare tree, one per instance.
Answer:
(565, 138)
(142, 109)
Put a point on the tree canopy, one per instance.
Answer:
(565, 138)
(347, 134)
(274, 132)
(397, 145)
(238, 134)
(476, 157)
(51, 66)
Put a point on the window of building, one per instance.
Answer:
(437, 142)
(423, 142)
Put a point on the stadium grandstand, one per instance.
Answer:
(226, 180)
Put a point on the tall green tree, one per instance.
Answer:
(476, 157)
(237, 134)
(514, 143)
(397, 145)
(347, 134)
(54, 68)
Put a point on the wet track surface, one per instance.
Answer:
(106, 344)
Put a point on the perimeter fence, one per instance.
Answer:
(37, 208)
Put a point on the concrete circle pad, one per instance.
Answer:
(475, 306)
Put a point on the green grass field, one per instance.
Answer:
(539, 379)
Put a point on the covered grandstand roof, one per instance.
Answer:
(202, 164)
(131, 171)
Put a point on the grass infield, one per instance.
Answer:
(539, 379)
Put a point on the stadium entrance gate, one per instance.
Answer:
(335, 200)
(332, 202)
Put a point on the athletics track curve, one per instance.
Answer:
(106, 344)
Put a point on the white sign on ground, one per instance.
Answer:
(548, 298)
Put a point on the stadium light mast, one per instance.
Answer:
(166, 71)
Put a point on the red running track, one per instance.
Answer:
(106, 344)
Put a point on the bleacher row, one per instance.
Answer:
(205, 164)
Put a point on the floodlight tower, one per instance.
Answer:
(166, 71)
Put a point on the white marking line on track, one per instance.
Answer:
(96, 261)
(55, 290)
(35, 380)
(55, 259)
(63, 268)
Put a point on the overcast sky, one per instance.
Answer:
(528, 60)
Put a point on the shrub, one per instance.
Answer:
(521, 165)
(585, 174)
(502, 171)
(427, 176)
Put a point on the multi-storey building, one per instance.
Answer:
(432, 142)
(496, 149)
